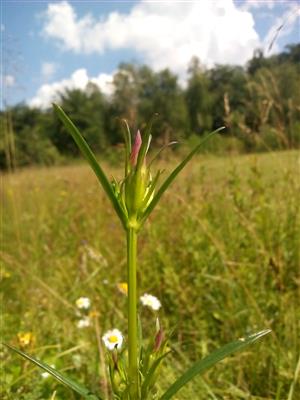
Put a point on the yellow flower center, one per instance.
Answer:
(113, 339)
(123, 287)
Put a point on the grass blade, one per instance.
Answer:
(203, 365)
(174, 173)
(127, 139)
(149, 378)
(76, 387)
(89, 155)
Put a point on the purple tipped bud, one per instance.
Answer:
(158, 339)
(136, 148)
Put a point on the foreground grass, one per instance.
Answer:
(221, 252)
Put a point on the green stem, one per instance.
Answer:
(132, 313)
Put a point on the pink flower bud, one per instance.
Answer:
(136, 148)
(158, 339)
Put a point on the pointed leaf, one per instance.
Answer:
(174, 173)
(203, 365)
(151, 188)
(127, 139)
(89, 155)
(76, 387)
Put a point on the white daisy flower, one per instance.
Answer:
(84, 322)
(113, 339)
(83, 303)
(150, 301)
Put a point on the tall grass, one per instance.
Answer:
(231, 265)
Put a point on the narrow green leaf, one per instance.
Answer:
(174, 173)
(140, 337)
(76, 387)
(89, 155)
(203, 365)
(149, 378)
(151, 188)
(127, 139)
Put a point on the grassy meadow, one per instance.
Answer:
(221, 252)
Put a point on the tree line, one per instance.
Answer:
(259, 104)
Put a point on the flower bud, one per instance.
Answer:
(158, 339)
(137, 180)
(135, 149)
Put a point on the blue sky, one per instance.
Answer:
(48, 46)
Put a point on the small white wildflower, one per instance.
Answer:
(150, 301)
(84, 322)
(83, 303)
(46, 374)
(113, 339)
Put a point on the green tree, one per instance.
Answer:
(198, 98)
(87, 109)
(123, 102)
(160, 93)
(257, 61)
(139, 93)
(24, 140)
(228, 86)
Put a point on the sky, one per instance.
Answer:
(48, 46)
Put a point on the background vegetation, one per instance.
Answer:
(221, 253)
(259, 104)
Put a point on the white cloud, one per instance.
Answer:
(165, 34)
(48, 93)
(9, 80)
(48, 69)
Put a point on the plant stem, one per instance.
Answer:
(132, 313)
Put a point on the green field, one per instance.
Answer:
(221, 252)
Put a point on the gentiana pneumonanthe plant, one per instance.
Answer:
(133, 365)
